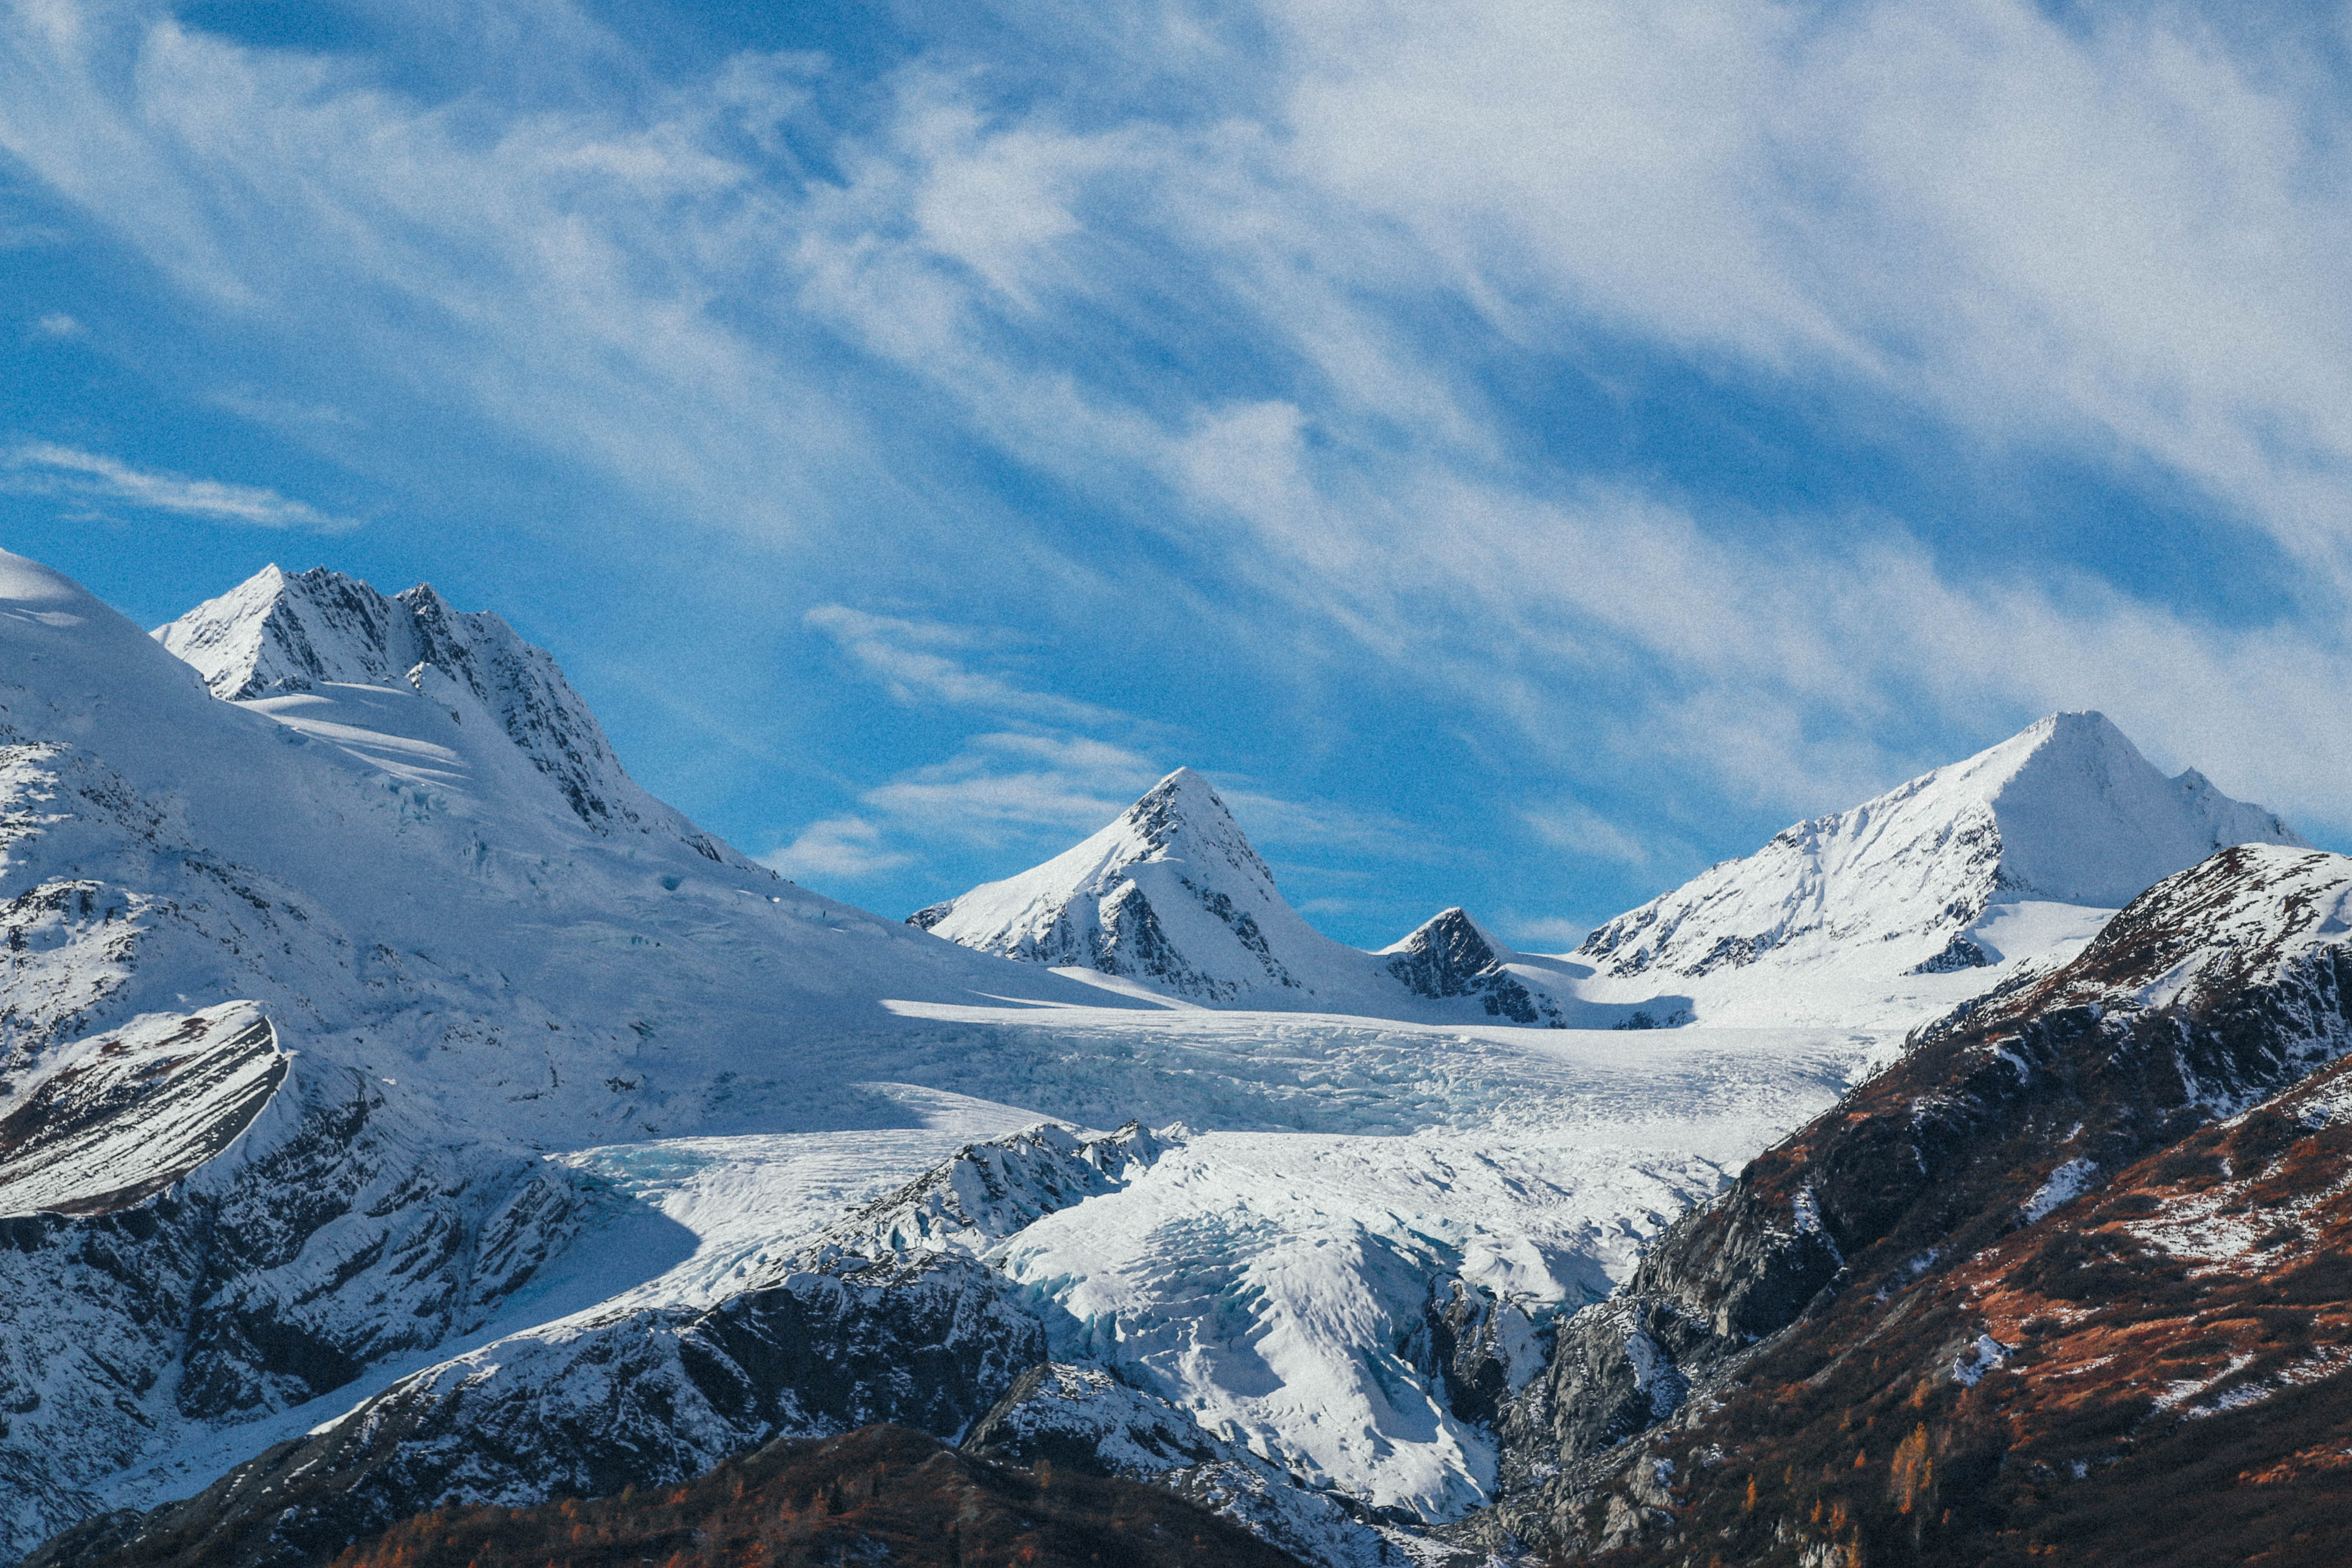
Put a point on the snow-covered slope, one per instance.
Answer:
(459, 1085)
(2012, 856)
(276, 636)
(1172, 896)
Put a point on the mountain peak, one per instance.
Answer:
(1171, 893)
(280, 633)
(2066, 810)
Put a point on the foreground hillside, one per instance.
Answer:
(2067, 1282)
(879, 1494)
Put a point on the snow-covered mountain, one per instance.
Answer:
(2014, 856)
(1170, 894)
(344, 1053)
(1172, 897)
(303, 643)
(398, 1105)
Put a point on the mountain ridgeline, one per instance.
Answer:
(420, 1145)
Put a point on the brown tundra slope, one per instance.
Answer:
(2071, 1282)
(880, 1494)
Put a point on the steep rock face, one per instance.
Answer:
(2219, 988)
(644, 1398)
(879, 1494)
(1450, 954)
(277, 635)
(2068, 812)
(1483, 1350)
(133, 1114)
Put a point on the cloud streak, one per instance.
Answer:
(43, 468)
(1228, 302)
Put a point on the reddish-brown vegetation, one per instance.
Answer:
(2159, 1383)
(884, 1494)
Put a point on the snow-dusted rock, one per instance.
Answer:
(987, 1191)
(2067, 812)
(644, 1398)
(1450, 954)
(127, 1116)
(276, 636)
(1082, 1418)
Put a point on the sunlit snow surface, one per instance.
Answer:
(716, 1065)
(1261, 1277)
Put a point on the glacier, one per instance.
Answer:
(371, 1037)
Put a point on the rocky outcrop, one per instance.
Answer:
(1450, 954)
(2217, 989)
(1083, 1420)
(645, 1398)
(989, 1190)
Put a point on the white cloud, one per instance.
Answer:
(847, 847)
(902, 654)
(58, 327)
(1005, 788)
(1577, 828)
(1541, 933)
(2119, 240)
(45, 469)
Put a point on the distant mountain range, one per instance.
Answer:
(2014, 856)
(401, 1110)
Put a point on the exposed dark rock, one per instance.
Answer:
(880, 1494)
(2219, 987)
(648, 1398)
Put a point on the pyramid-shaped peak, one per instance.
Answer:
(2066, 810)
(1445, 953)
(1455, 932)
(1181, 809)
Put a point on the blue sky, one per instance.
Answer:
(1523, 452)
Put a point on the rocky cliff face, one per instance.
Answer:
(1453, 955)
(1857, 1257)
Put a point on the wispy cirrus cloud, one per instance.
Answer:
(917, 661)
(1265, 310)
(45, 468)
